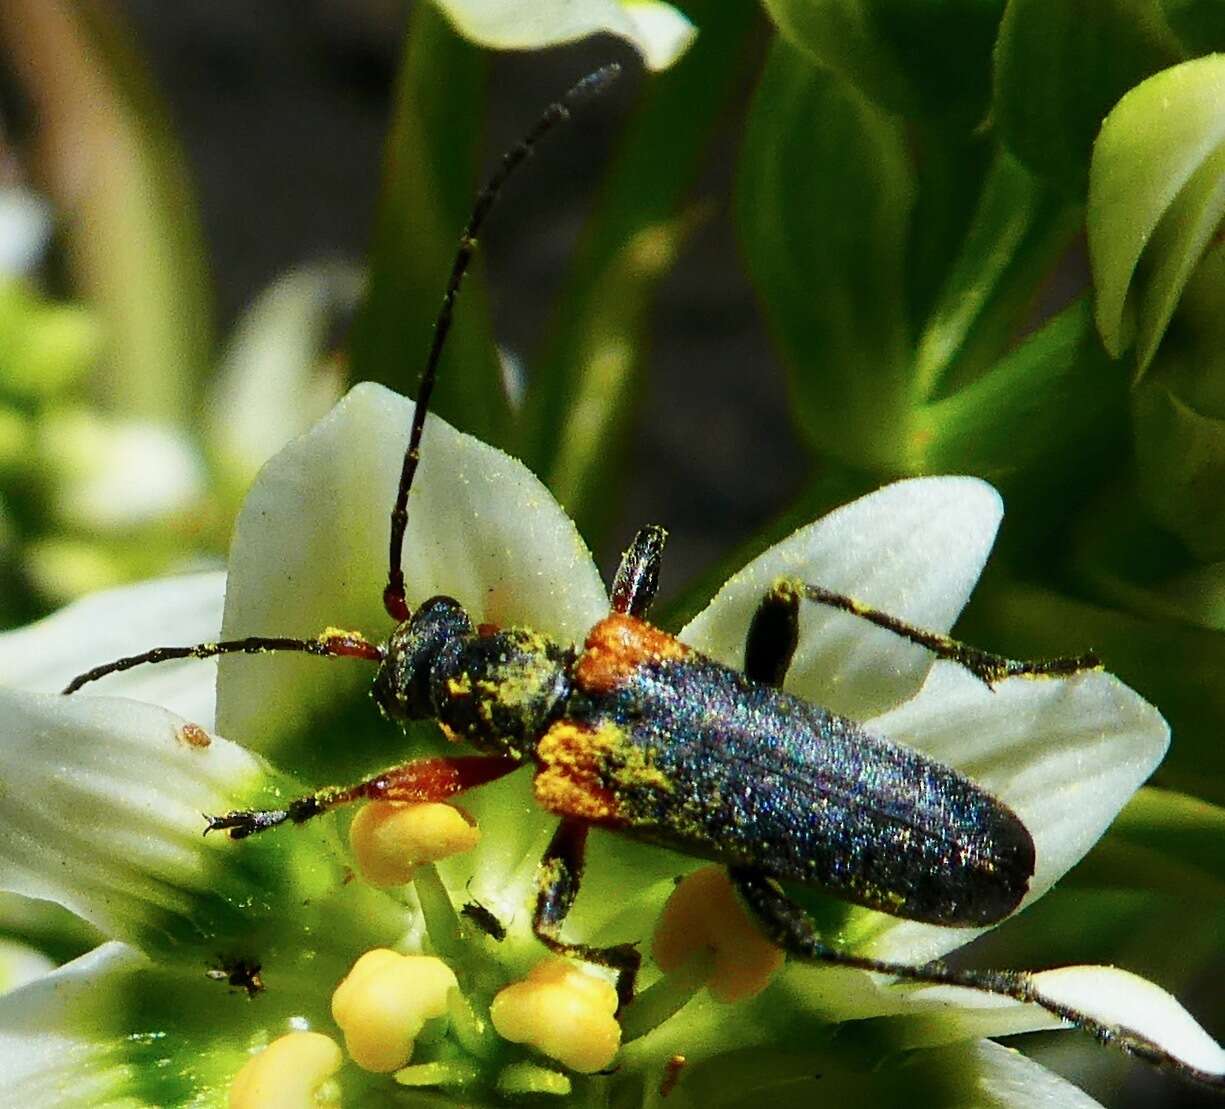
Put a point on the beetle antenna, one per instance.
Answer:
(558, 112)
(330, 644)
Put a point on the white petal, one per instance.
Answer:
(1006, 1079)
(120, 474)
(1139, 1013)
(662, 33)
(270, 385)
(930, 1016)
(26, 223)
(101, 812)
(913, 549)
(180, 610)
(56, 1035)
(310, 550)
(20, 963)
(658, 31)
(1064, 754)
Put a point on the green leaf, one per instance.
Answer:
(1060, 67)
(586, 440)
(824, 199)
(910, 56)
(429, 174)
(114, 169)
(584, 381)
(1057, 385)
(1184, 831)
(1018, 225)
(1199, 23)
(1156, 197)
(1123, 558)
(838, 35)
(1180, 460)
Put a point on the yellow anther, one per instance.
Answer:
(290, 1073)
(703, 913)
(562, 1012)
(384, 1003)
(389, 838)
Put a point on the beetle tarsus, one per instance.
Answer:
(245, 822)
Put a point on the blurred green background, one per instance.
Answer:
(835, 243)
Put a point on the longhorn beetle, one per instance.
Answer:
(637, 733)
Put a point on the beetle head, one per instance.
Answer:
(402, 685)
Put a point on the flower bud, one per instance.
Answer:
(564, 1013)
(389, 838)
(288, 1074)
(703, 913)
(384, 1003)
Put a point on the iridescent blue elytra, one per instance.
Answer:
(695, 756)
(751, 775)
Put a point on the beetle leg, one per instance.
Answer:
(773, 636)
(987, 667)
(432, 779)
(558, 878)
(637, 579)
(786, 924)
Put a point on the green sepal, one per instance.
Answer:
(1156, 197)
(910, 56)
(1060, 67)
(1180, 455)
(429, 178)
(825, 193)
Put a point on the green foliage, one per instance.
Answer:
(910, 56)
(824, 199)
(1059, 68)
(1157, 195)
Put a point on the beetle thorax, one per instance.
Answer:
(497, 690)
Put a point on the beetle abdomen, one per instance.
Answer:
(745, 774)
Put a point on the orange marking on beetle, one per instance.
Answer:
(570, 780)
(616, 647)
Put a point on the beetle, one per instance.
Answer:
(634, 732)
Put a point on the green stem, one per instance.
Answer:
(667, 997)
(441, 921)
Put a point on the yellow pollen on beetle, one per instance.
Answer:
(564, 1013)
(341, 633)
(704, 914)
(292, 1072)
(384, 1003)
(390, 838)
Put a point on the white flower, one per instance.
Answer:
(100, 809)
(660, 32)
